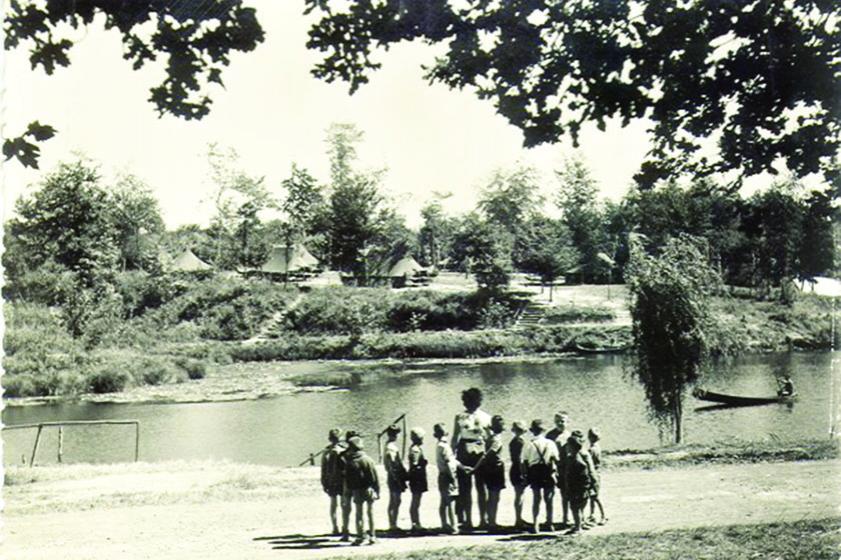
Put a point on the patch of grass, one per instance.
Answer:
(747, 452)
(814, 539)
(578, 314)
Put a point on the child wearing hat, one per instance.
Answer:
(448, 466)
(331, 474)
(347, 498)
(395, 476)
(596, 457)
(417, 476)
(540, 459)
(364, 484)
(516, 472)
(579, 478)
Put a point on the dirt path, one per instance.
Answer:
(292, 526)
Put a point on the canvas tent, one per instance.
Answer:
(286, 260)
(407, 266)
(188, 262)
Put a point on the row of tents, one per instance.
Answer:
(292, 260)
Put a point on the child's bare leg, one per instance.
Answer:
(518, 504)
(443, 509)
(482, 501)
(360, 527)
(451, 512)
(393, 509)
(535, 508)
(467, 506)
(565, 506)
(598, 502)
(369, 506)
(346, 504)
(493, 506)
(549, 496)
(334, 505)
(414, 509)
(576, 516)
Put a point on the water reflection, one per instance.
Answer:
(593, 390)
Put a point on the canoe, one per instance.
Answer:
(734, 400)
(600, 350)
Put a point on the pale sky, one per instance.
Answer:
(273, 112)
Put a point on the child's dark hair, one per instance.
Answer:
(334, 435)
(439, 431)
(472, 398)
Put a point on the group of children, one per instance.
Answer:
(549, 460)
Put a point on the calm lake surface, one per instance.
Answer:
(282, 431)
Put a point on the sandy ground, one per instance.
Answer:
(192, 514)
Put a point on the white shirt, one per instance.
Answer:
(540, 450)
(472, 426)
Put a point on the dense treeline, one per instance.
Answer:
(96, 251)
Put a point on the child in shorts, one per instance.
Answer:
(417, 477)
(396, 476)
(594, 436)
(516, 472)
(331, 474)
(540, 458)
(447, 487)
(493, 470)
(364, 484)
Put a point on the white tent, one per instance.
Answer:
(284, 260)
(188, 262)
(407, 266)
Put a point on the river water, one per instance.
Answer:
(594, 390)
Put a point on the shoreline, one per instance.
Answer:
(266, 382)
(252, 381)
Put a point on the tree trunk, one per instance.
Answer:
(678, 419)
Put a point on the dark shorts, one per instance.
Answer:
(540, 477)
(577, 497)
(494, 477)
(517, 477)
(333, 489)
(396, 486)
(418, 484)
(362, 496)
(447, 485)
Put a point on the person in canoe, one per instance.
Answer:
(785, 386)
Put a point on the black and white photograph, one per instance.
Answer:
(421, 279)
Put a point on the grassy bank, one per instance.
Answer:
(174, 333)
(724, 453)
(819, 539)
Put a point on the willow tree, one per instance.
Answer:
(672, 329)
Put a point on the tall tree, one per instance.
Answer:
(237, 198)
(546, 249)
(511, 198)
(137, 220)
(697, 70)
(435, 235)
(577, 197)
(355, 202)
(671, 323)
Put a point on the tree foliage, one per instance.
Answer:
(69, 221)
(193, 41)
(671, 325)
(760, 78)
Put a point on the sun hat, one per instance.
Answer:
(355, 442)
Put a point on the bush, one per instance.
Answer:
(141, 292)
(223, 307)
(341, 310)
(196, 369)
(107, 380)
